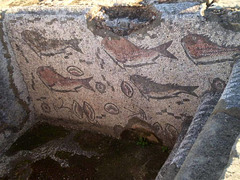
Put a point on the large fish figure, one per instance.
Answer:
(57, 82)
(203, 51)
(124, 52)
(153, 90)
(48, 47)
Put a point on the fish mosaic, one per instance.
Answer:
(102, 116)
(102, 62)
(32, 82)
(171, 132)
(59, 105)
(218, 85)
(48, 47)
(114, 95)
(127, 89)
(165, 112)
(41, 98)
(75, 71)
(111, 108)
(168, 130)
(56, 82)
(77, 109)
(108, 83)
(89, 112)
(152, 90)
(100, 87)
(140, 113)
(158, 127)
(86, 110)
(22, 53)
(126, 54)
(45, 107)
(202, 51)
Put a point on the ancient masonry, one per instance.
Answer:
(106, 63)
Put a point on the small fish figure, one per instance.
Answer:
(77, 109)
(139, 113)
(86, 110)
(89, 112)
(57, 82)
(48, 47)
(100, 87)
(203, 51)
(127, 89)
(75, 71)
(124, 51)
(153, 90)
(45, 108)
(111, 108)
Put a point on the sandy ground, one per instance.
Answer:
(232, 172)
(13, 3)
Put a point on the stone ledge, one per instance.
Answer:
(210, 153)
(230, 100)
(188, 138)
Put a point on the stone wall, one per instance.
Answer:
(106, 64)
(15, 108)
(210, 153)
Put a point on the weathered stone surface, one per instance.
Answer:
(184, 145)
(230, 99)
(121, 20)
(209, 155)
(225, 3)
(122, 65)
(14, 104)
(204, 111)
(15, 3)
(156, 73)
(226, 13)
(232, 172)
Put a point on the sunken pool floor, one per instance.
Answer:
(52, 152)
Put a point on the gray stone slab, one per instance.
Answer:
(210, 153)
(14, 103)
(184, 145)
(230, 100)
